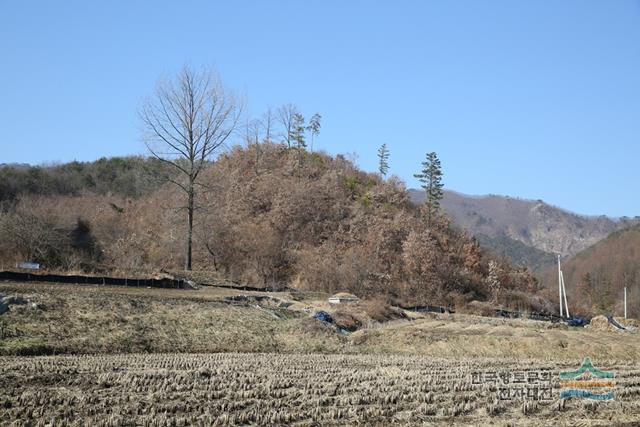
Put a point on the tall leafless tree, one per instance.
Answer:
(268, 124)
(252, 134)
(186, 123)
(286, 115)
(253, 131)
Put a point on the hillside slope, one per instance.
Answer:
(595, 277)
(267, 215)
(518, 252)
(532, 222)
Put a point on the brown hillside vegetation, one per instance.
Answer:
(326, 225)
(270, 215)
(595, 278)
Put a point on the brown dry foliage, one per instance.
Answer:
(595, 278)
(380, 311)
(346, 319)
(266, 218)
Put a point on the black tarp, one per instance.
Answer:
(92, 280)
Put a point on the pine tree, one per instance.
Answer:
(314, 127)
(383, 160)
(297, 135)
(297, 131)
(431, 182)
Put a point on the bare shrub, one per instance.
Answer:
(379, 310)
(346, 319)
(479, 308)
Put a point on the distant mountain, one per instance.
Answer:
(15, 165)
(518, 252)
(498, 221)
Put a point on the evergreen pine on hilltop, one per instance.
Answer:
(431, 182)
(383, 160)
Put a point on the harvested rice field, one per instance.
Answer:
(286, 389)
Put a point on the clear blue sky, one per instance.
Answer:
(536, 99)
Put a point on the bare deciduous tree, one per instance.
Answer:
(268, 124)
(29, 237)
(253, 131)
(286, 115)
(252, 134)
(186, 122)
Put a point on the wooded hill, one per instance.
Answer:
(125, 176)
(266, 215)
(595, 278)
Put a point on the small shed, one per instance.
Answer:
(343, 298)
(25, 265)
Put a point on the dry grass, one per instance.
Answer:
(78, 319)
(461, 335)
(404, 372)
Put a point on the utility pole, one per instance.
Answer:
(562, 292)
(560, 285)
(625, 302)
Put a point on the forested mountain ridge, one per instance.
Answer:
(130, 176)
(534, 223)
